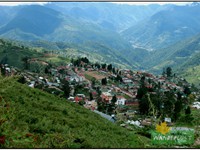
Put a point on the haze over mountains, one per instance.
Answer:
(146, 37)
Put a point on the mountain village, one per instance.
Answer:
(111, 92)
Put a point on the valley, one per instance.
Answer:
(89, 74)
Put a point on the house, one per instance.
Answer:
(106, 96)
(146, 122)
(120, 100)
(71, 98)
(91, 105)
(132, 102)
(78, 99)
(126, 80)
(32, 84)
(76, 78)
(80, 95)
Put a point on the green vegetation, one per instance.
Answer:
(88, 77)
(30, 118)
(13, 54)
(192, 75)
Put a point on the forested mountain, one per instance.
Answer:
(108, 32)
(36, 23)
(108, 15)
(165, 27)
(107, 58)
(175, 55)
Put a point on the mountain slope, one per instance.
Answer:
(34, 19)
(13, 53)
(165, 27)
(175, 56)
(110, 16)
(31, 118)
(7, 13)
(54, 26)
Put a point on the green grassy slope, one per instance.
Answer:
(12, 53)
(183, 54)
(30, 118)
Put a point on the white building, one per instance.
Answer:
(120, 100)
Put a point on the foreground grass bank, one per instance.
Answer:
(30, 118)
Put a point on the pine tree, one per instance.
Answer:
(169, 71)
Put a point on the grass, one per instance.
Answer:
(192, 75)
(57, 60)
(12, 54)
(95, 74)
(88, 77)
(30, 118)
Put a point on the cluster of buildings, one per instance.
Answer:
(125, 90)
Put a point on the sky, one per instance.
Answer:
(147, 3)
(129, 3)
(20, 3)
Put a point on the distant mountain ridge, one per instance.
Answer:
(165, 28)
(35, 23)
(119, 34)
(183, 54)
(107, 15)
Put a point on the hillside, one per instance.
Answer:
(102, 13)
(43, 21)
(165, 28)
(190, 69)
(183, 57)
(12, 53)
(54, 26)
(177, 55)
(95, 51)
(31, 118)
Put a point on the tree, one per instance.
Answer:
(4, 60)
(93, 81)
(26, 62)
(113, 71)
(187, 90)
(141, 92)
(144, 105)
(22, 80)
(104, 81)
(97, 65)
(177, 109)
(119, 78)
(109, 68)
(82, 102)
(91, 97)
(188, 111)
(85, 60)
(66, 88)
(103, 66)
(169, 71)
(114, 99)
(3, 70)
(142, 81)
(46, 71)
(98, 91)
(164, 72)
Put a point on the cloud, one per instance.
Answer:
(21, 3)
(148, 3)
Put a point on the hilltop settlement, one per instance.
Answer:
(120, 95)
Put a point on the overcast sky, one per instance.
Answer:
(21, 3)
(147, 3)
(129, 3)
